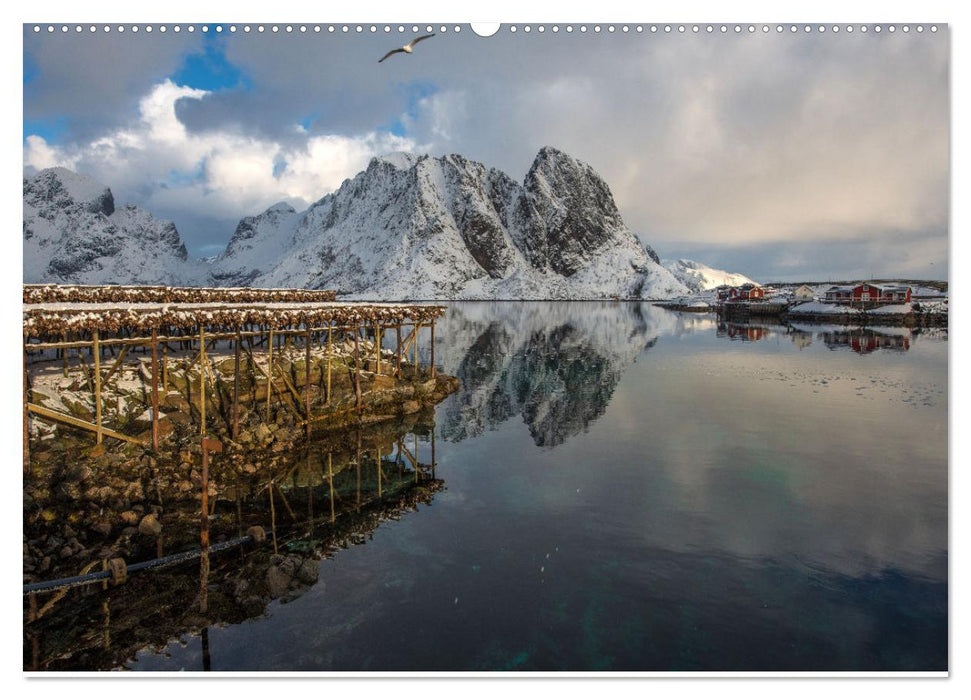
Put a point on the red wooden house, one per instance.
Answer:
(884, 293)
(746, 292)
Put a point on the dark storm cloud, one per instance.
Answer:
(94, 81)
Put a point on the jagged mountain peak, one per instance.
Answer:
(62, 187)
(73, 233)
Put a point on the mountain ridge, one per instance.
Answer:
(406, 227)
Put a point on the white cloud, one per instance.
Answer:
(218, 173)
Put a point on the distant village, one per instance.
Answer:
(890, 302)
(861, 294)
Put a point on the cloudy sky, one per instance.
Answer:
(780, 155)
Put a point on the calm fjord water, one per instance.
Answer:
(627, 488)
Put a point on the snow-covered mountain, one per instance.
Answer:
(73, 233)
(698, 277)
(420, 227)
(407, 227)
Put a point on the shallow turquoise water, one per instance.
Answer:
(633, 489)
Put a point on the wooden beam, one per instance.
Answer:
(417, 331)
(96, 350)
(26, 418)
(155, 389)
(377, 348)
(143, 341)
(397, 350)
(330, 337)
(433, 348)
(64, 356)
(202, 380)
(78, 423)
(236, 388)
(116, 365)
(357, 368)
(358, 462)
(269, 376)
(293, 516)
(306, 386)
(273, 518)
(330, 482)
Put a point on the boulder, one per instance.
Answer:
(150, 526)
(277, 581)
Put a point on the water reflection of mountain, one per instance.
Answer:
(554, 365)
(319, 502)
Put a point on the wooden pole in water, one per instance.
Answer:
(417, 331)
(330, 333)
(155, 389)
(96, 350)
(378, 449)
(269, 375)
(236, 387)
(377, 348)
(433, 452)
(358, 463)
(357, 367)
(204, 531)
(397, 352)
(26, 415)
(310, 495)
(306, 387)
(273, 518)
(206, 657)
(330, 482)
(202, 379)
(433, 348)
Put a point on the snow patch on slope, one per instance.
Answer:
(699, 277)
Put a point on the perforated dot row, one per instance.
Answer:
(247, 28)
(722, 28)
(569, 28)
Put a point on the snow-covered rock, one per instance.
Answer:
(698, 277)
(418, 227)
(74, 234)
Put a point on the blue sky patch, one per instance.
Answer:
(210, 69)
(414, 93)
(50, 130)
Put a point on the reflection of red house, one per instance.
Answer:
(752, 333)
(865, 341)
(738, 331)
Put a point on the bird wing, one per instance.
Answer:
(420, 38)
(393, 51)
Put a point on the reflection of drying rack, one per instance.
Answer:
(366, 511)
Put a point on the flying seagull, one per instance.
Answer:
(407, 48)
